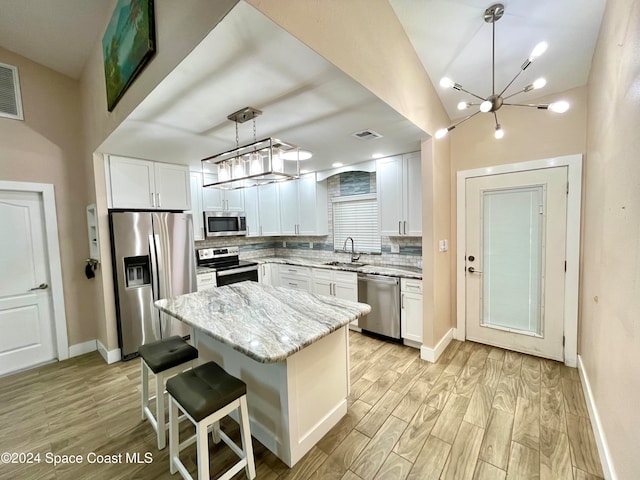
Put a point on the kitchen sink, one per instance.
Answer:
(345, 264)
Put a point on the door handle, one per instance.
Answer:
(400, 228)
(42, 286)
(158, 199)
(402, 303)
(405, 228)
(473, 270)
(153, 200)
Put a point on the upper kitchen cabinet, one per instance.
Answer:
(219, 200)
(262, 210)
(144, 184)
(303, 206)
(399, 185)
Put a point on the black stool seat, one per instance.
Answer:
(205, 389)
(167, 353)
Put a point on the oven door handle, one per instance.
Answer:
(233, 271)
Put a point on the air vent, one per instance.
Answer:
(367, 135)
(10, 101)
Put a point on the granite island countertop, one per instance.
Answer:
(266, 323)
(390, 270)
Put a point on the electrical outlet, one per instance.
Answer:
(284, 244)
(395, 247)
(310, 245)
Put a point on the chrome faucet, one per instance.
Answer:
(354, 257)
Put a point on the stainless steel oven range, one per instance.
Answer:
(227, 265)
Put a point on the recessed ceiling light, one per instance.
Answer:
(377, 155)
(337, 164)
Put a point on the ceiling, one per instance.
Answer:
(305, 99)
(452, 40)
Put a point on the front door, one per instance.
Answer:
(26, 331)
(515, 260)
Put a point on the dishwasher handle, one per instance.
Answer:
(378, 278)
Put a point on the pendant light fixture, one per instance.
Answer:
(260, 162)
(495, 101)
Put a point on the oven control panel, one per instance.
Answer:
(211, 253)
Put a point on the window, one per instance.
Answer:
(356, 216)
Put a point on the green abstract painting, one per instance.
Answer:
(127, 46)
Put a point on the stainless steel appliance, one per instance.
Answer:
(383, 294)
(153, 258)
(227, 265)
(220, 224)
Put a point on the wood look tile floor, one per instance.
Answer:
(478, 413)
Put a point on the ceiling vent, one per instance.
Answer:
(10, 101)
(367, 135)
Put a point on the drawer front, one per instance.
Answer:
(346, 277)
(411, 285)
(295, 282)
(322, 273)
(206, 281)
(294, 271)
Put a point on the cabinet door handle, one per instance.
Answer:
(405, 228)
(399, 228)
(153, 200)
(158, 199)
(402, 305)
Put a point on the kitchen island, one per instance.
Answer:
(290, 347)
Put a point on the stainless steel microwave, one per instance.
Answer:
(221, 224)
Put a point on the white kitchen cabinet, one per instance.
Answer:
(293, 276)
(266, 273)
(336, 283)
(206, 281)
(262, 210)
(411, 309)
(135, 183)
(196, 205)
(399, 189)
(303, 206)
(220, 200)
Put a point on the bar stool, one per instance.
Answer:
(165, 358)
(206, 394)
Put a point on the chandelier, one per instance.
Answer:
(495, 101)
(261, 162)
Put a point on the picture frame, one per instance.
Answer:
(127, 46)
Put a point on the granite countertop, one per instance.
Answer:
(391, 270)
(266, 323)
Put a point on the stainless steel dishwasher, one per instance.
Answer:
(383, 294)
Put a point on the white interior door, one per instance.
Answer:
(515, 260)
(26, 331)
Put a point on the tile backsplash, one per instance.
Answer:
(409, 249)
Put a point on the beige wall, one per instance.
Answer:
(180, 26)
(530, 134)
(46, 148)
(610, 301)
(366, 41)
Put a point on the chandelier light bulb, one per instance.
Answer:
(486, 106)
(223, 172)
(559, 107)
(255, 163)
(499, 133)
(539, 83)
(538, 50)
(446, 82)
(463, 105)
(277, 160)
(441, 133)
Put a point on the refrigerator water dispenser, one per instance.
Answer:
(137, 271)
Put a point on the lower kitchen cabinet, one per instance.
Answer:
(336, 283)
(206, 281)
(411, 309)
(267, 272)
(292, 276)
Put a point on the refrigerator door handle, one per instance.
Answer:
(153, 239)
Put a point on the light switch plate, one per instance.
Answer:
(444, 245)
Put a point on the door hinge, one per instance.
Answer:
(563, 340)
(567, 188)
(565, 265)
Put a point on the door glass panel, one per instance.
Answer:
(512, 254)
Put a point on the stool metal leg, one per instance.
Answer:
(245, 434)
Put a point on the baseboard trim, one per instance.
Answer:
(109, 356)
(432, 354)
(598, 432)
(82, 348)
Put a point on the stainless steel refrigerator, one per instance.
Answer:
(153, 258)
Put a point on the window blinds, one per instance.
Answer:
(356, 216)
